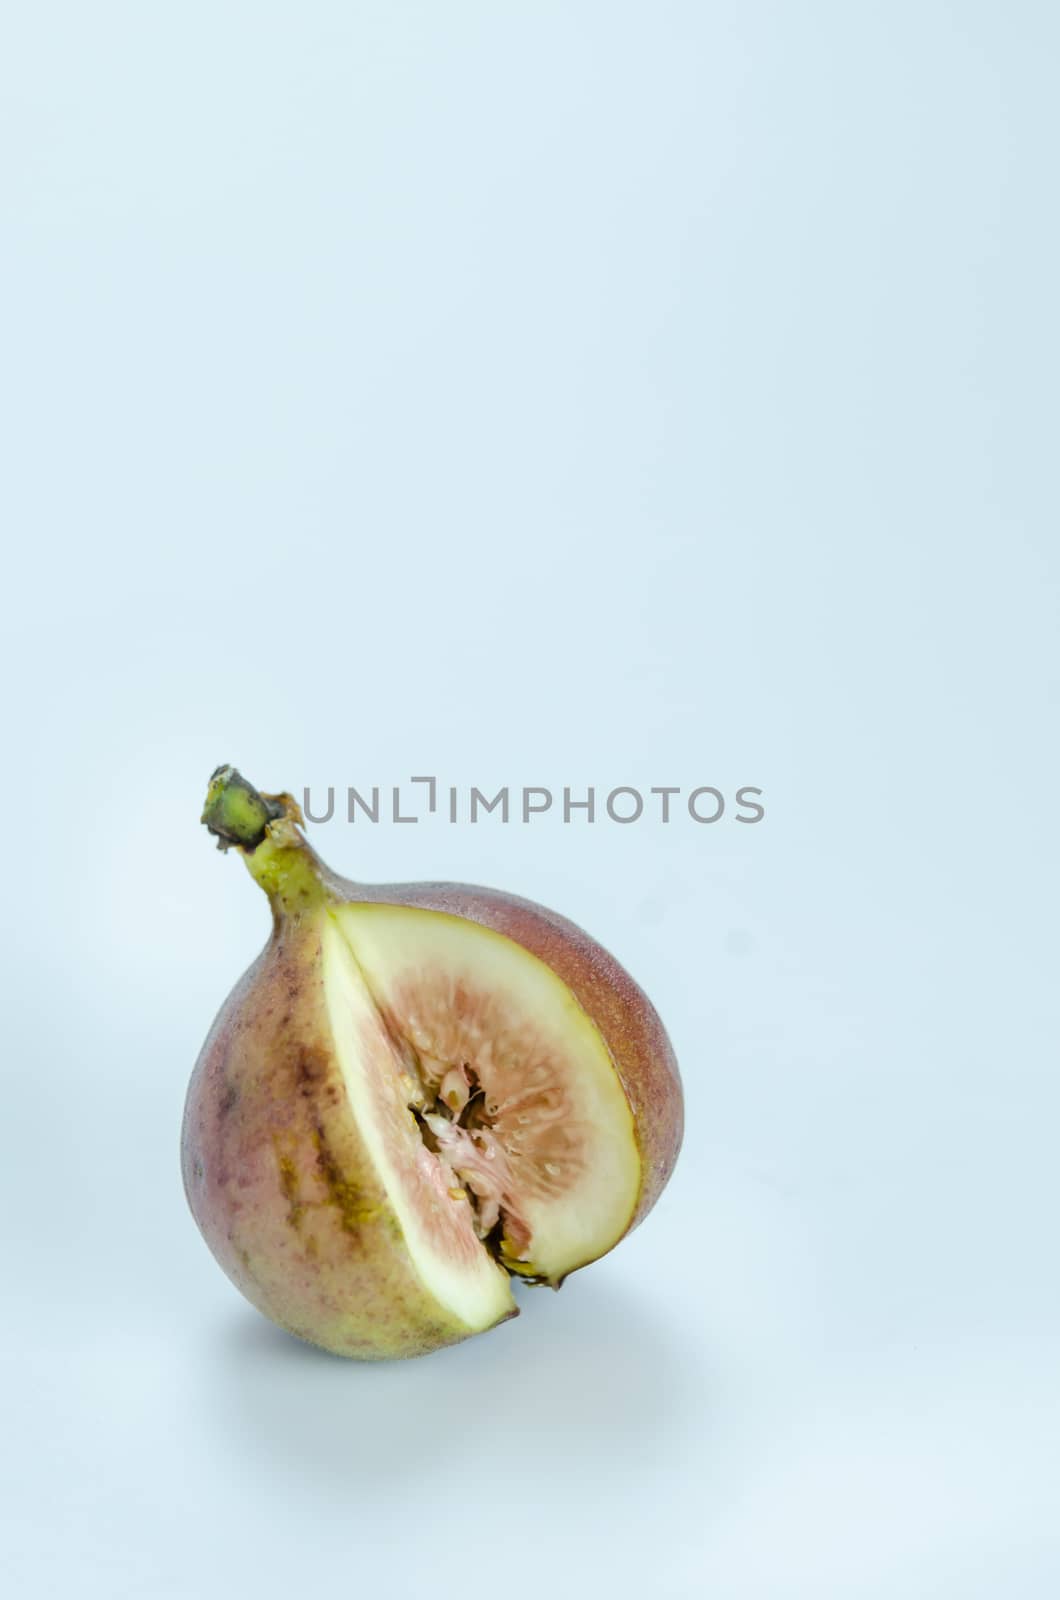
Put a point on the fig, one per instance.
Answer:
(416, 1094)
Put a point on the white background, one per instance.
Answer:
(547, 394)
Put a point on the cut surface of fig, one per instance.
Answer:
(438, 1231)
(487, 1097)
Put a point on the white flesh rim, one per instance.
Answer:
(413, 993)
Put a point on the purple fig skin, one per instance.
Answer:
(275, 1169)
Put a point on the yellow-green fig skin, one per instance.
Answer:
(277, 1174)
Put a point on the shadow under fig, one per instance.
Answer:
(589, 1371)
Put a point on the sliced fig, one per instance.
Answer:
(416, 1093)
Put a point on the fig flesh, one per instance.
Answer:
(416, 1093)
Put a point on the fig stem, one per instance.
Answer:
(266, 829)
(236, 813)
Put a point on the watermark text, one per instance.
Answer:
(423, 797)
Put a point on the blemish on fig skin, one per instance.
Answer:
(312, 1067)
(227, 1101)
(352, 1205)
(290, 1186)
(354, 1208)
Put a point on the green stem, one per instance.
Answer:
(236, 813)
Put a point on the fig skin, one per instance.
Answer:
(275, 1169)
